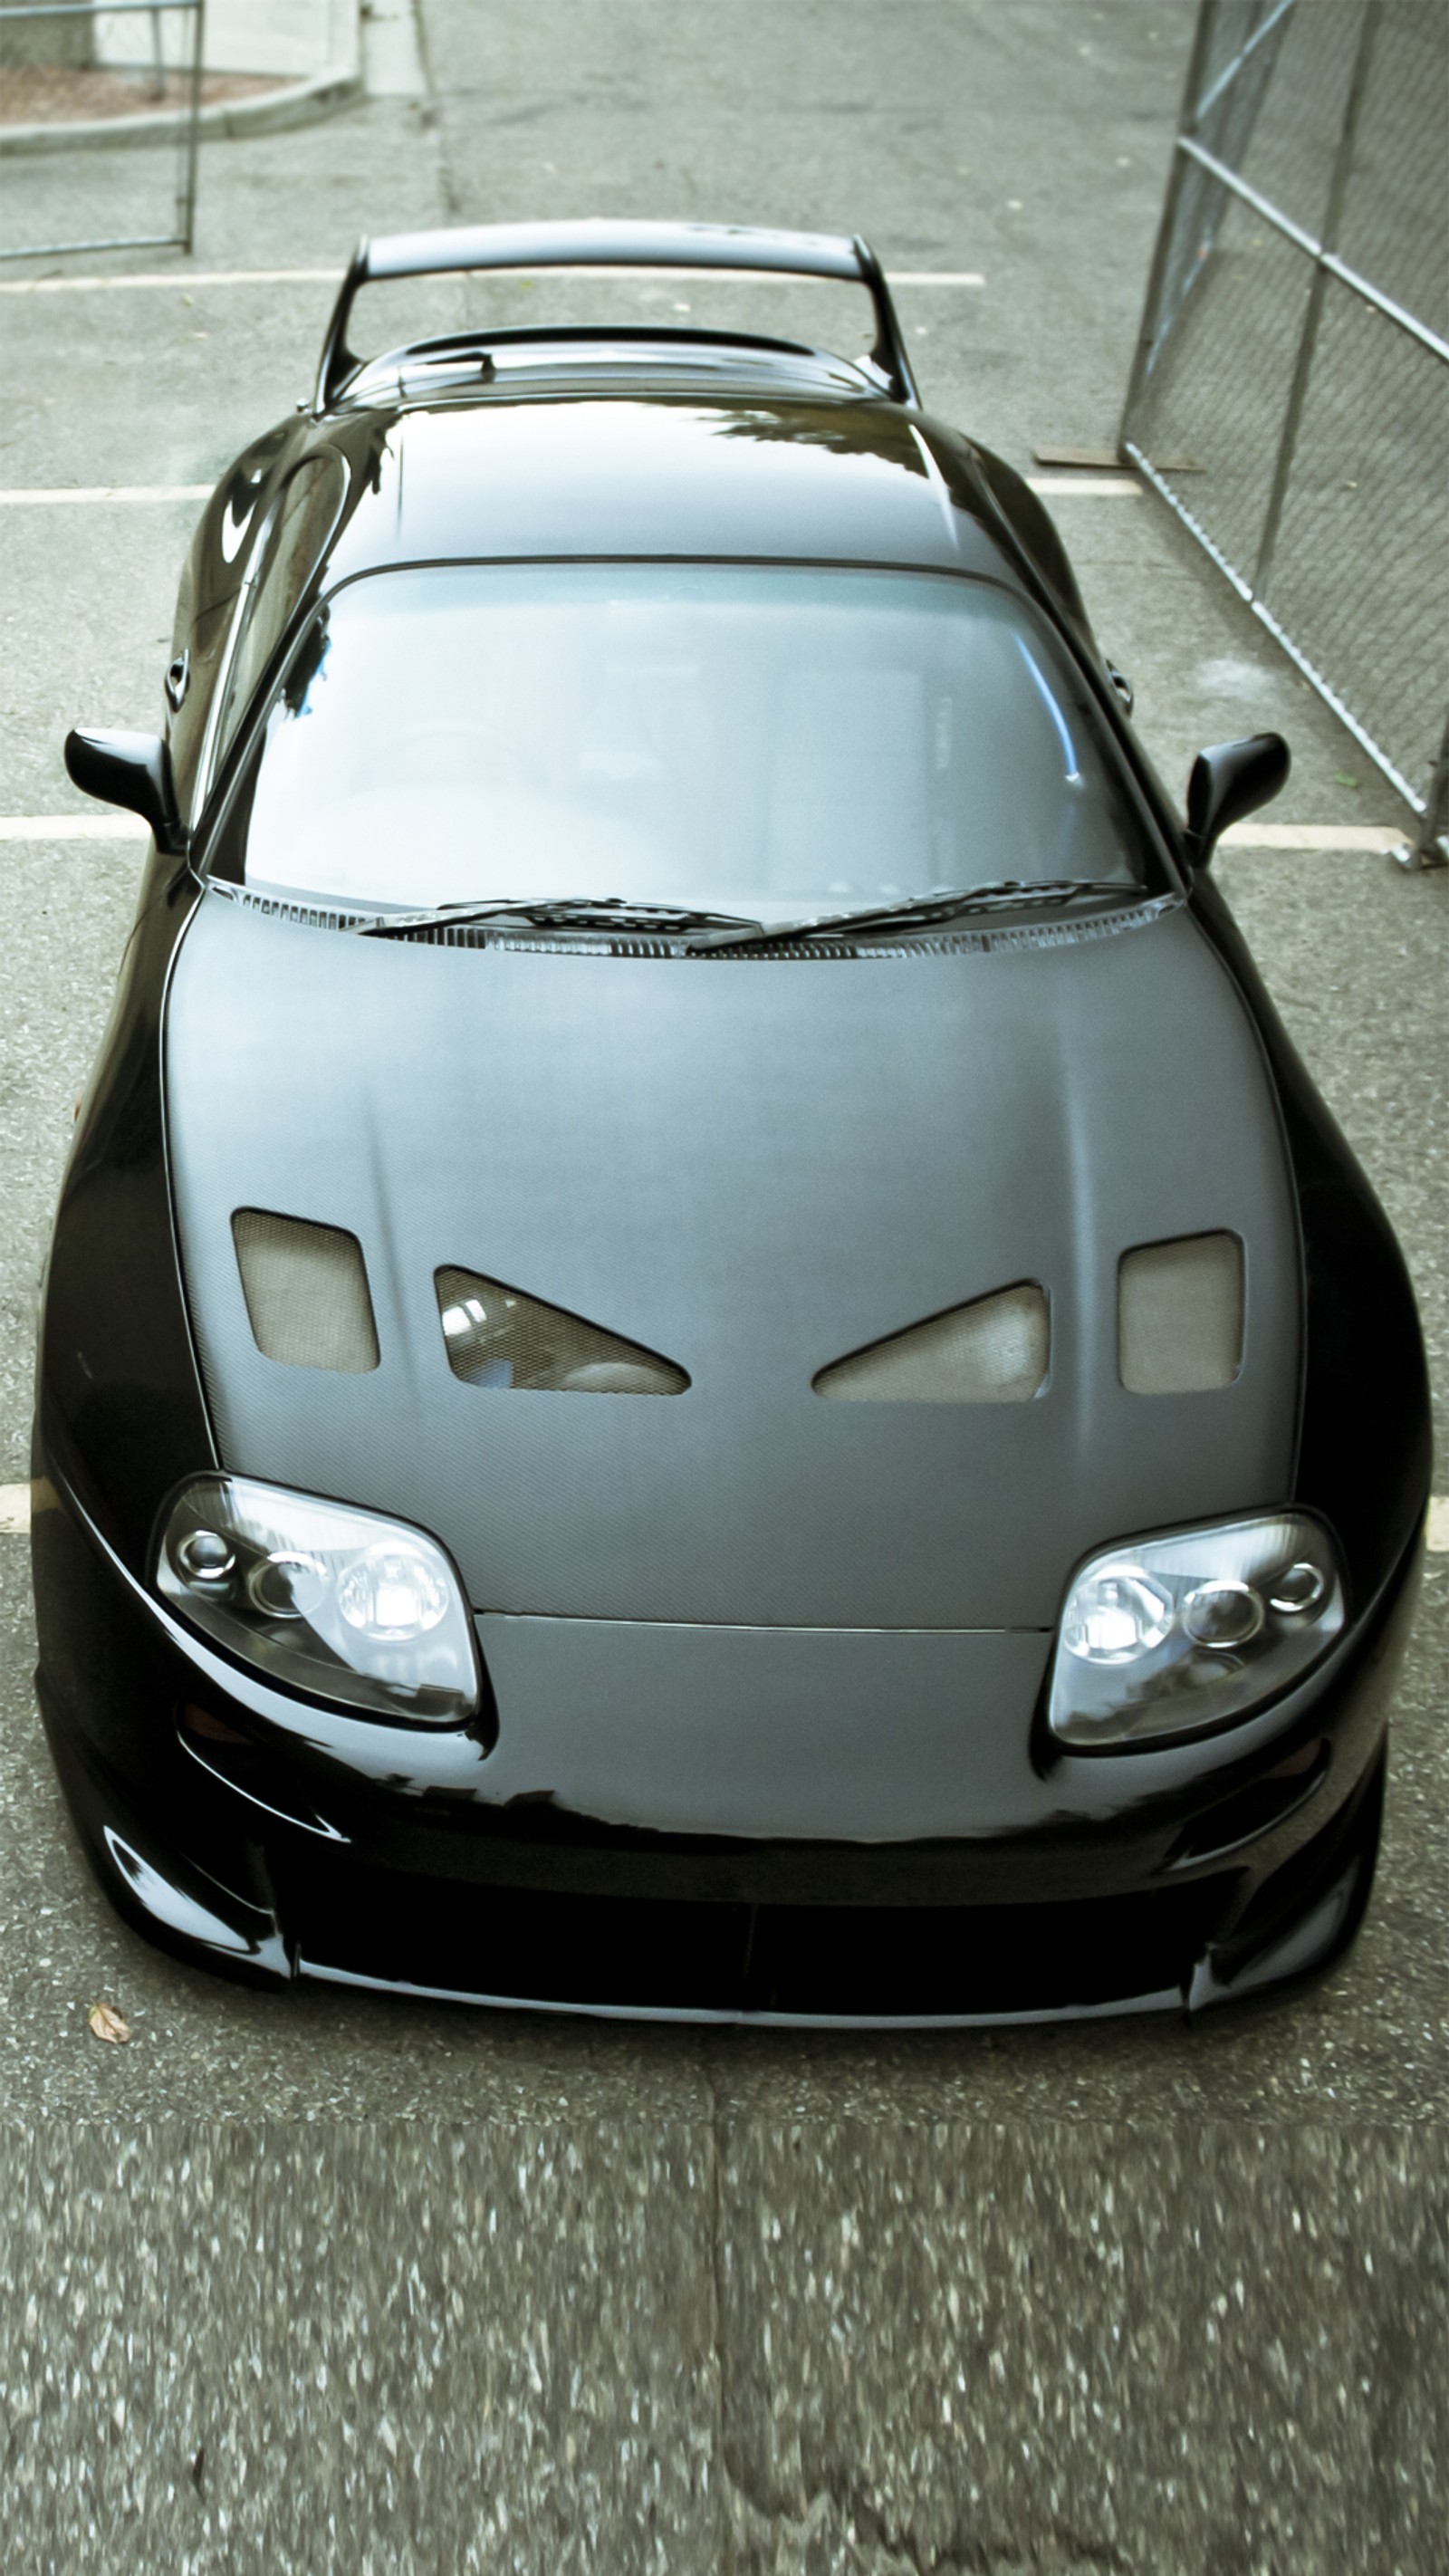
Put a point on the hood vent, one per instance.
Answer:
(1180, 1315)
(306, 1291)
(994, 1351)
(496, 1337)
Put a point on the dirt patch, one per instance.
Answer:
(48, 94)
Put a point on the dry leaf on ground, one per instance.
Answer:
(106, 2023)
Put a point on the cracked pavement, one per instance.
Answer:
(826, 2348)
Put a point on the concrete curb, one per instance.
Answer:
(301, 103)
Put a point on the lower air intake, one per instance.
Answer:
(809, 1963)
(306, 1291)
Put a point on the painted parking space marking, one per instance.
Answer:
(1115, 487)
(15, 1508)
(1364, 840)
(333, 277)
(1086, 487)
(73, 827)
(172, 277)
(54, 495)
(1379, 839)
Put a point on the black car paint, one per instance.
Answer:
(120, 1412)
(1364, 1440)
(122, 1418)
(610, 1137)
(968, 510)
(262, 1837)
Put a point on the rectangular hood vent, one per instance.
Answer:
(497, 1337)
(1180, 1315)
(306, 1291)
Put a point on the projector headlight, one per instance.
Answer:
(341, 1604)
(1176, 1635)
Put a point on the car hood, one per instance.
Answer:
(752, 1166)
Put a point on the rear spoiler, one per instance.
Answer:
(606, 244)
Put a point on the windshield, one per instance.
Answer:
(764, 739)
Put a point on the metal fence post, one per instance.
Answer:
(186, 193)
(1162, 253)
(1430, 847)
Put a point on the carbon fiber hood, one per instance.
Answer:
(753, 1167)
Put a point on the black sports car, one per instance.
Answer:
(704, 1352)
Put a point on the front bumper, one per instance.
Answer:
(273, 1840)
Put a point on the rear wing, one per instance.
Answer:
(622, 245)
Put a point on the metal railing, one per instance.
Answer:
(1295, 343)
(189, 117)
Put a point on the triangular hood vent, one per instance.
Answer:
(994, 1351)
(496, 1337)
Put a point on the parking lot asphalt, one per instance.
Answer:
(527, 2293)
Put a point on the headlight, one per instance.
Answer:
(1179, 1634)
(341, 1604)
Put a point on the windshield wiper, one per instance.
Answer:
(561, 912)
(944, 903)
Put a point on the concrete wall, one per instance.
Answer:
(293, 38)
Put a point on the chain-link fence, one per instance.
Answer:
(65, 35)
(1294, 365)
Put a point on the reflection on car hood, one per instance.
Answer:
(751, 1167)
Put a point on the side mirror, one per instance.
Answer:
(130, 769)
(1229, 780)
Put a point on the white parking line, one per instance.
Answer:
(1082, 487)
(1376, 838)
(1114, 487)
(30, 495)
(333, 277)
(15, 1517)
(1368, 840)
(73, 827)
(180, 277)
(33, 495)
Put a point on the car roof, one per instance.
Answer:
(651, 455)
(516, 444)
